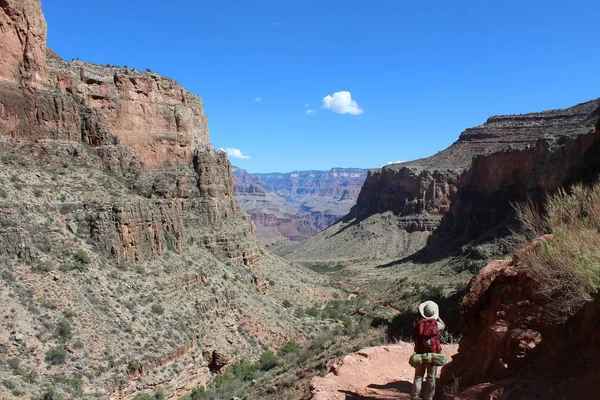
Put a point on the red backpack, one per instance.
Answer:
(426, 336)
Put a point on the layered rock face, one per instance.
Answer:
(153, 116)
(566, 151)
(465, 190)
(299, 204)
(164, 146)
(118, 220)
(22, 41)
(512, 347)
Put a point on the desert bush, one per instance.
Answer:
(286, 303)
(566, 267)
(143, 397)
(37, 192)
(82, 257)
(290, 347)
(14, 364)
(158, 309)
(64, 330)
(43, 267)
(51, 394)
(9, 384)
(3, 193)
(268, 361)
(313, 312)
(31, 376)
(56, 355)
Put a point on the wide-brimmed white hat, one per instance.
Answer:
(429, 309)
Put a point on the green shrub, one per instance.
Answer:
(143, 397)
(3, 193)
(64, 330)
(82, 257)
(133, 366)
(43, 267)
(37, 192)
(313, 312)
(51, 394)
(290, 347)
(286, 303)
(243, 371)
(31, 376)
(56, 355)
(45, 246)
(268, 361)
(14, 364)
(9, 384)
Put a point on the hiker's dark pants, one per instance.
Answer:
(430, 387)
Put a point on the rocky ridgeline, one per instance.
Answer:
(465, 190)
(296, 205)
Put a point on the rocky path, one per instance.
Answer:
(381, 373)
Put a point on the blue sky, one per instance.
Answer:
(416, 73)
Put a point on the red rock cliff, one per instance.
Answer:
(141, 126)
(511, 347)
(22, 41)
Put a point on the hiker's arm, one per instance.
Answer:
(441, 322)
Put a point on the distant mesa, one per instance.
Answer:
(296, 205)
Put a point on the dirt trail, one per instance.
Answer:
(373, 373)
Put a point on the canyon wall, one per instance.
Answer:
(144, 127)
(296, 205)
(437, 204)
(125, 262)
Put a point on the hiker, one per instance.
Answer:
(427, 357)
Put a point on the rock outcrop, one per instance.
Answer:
(512, 346)
(22, 41)
(457, 195)
(296, 205)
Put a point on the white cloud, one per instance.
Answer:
(395, 162)
(235, 153)
(276, 23)
(258, 99)
(341, 103)
(311, 112)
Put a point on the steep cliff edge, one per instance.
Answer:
(144, 127)
(296, 205)
(126, 265)
(463, 191)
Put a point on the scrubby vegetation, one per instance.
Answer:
(566, 265)
(286, 374)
